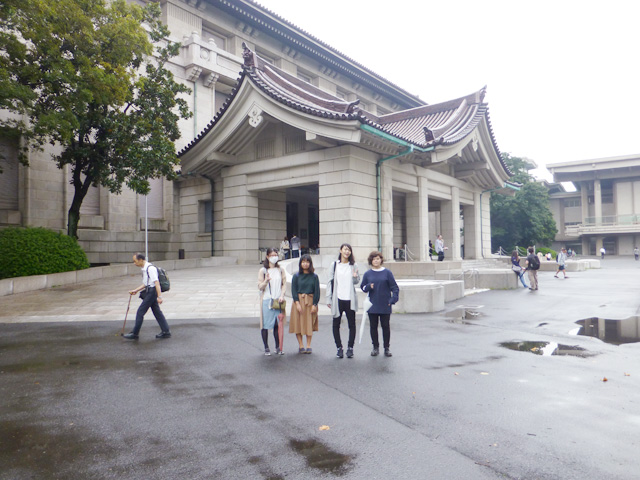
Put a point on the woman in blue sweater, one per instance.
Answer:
(383, 291)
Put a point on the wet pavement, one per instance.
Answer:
(77, 401)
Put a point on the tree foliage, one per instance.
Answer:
(91, 77)
(524, 219)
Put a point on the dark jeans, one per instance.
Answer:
(150, 301)
(295, 253)
(440, 256)
(345, 306)
(384, 319)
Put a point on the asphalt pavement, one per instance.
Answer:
(455, 401)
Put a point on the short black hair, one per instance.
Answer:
(139, 256)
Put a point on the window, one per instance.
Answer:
(304, 78)
(204, 210)
(572, 202)
(220, 40)
(9, 175)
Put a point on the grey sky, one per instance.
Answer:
(562, 76)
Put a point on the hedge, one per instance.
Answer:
(38, 251)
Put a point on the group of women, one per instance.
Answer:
(378, 282)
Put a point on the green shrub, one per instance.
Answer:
(38, 251)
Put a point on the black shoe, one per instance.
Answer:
(349, 352)
(387, 353)
(164, 335)
(340, 353)
(375, 352)
(130, 336)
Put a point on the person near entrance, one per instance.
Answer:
(383, 291)
(341, 296)
(295, 246)
(440, 248)
(636, 253)
(602, 252)
(285, 248)
(150, 294)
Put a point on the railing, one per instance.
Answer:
(605, 224)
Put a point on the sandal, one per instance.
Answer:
(301, 350)
(308, 351)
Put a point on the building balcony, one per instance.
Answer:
(607, 225)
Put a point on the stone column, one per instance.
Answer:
(240, 220)
(450, 221)
(473, 228)
(347, 201)
(597, 200)
(418, 220)
(584, 200)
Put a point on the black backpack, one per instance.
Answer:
(534, 262)
(163, 278)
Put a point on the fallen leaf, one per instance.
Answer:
(324, 427)
(627, 374)
(605, 379)
(484, 373)
(456, 373)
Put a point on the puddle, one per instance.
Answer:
(615, 332)
(462, 313)
(319, 456)
(547, 348)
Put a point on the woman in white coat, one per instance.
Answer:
(341, 296)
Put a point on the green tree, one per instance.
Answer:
(524, 219)
(90, 76)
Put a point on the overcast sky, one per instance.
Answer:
(562, 76)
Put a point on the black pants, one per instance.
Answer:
(384, 319)
(440, 256)
(150, 301)
(345, 306)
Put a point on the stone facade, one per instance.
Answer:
(271, 169)
(605, 208)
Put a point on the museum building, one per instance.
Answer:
(288, 136)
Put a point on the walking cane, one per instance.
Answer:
(125, 316)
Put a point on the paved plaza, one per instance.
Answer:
(77, 401)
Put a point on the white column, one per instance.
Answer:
(473, 228)
(240, 220)
(597, 200)
(450, 221)
(418, 220)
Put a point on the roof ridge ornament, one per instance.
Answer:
(249, 56)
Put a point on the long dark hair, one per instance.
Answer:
(305, 257)
(266, 259)
(514, 254)
(351, 259)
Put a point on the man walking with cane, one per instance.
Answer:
(150, 294)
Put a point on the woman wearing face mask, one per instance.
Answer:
(272, 282)
(341, 296)
(383, 292)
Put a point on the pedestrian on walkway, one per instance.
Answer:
(561, 259)
(602, 252)
(517, 269)
(285, 249)
(383, 292)
(150, 294)
(440, 248)
(636, 253)
(305, 291)
(272, 283)
(532, 264)
(341, 296)
(295, 246)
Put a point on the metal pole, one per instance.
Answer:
(146, 227)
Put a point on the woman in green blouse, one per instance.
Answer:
(305, 291)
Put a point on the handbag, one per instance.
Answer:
(277, 305)
(516, 268)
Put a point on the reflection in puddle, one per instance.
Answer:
(615, 332)
(319, 456)
(546, 348)
(462, 313)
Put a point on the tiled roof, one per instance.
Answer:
(425, 126)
